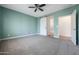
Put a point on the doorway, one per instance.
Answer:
(43, 26)
(50, 26)
(65, 27)
(47, 26)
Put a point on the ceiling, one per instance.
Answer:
(49, 8)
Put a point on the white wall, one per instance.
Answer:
(65, 26)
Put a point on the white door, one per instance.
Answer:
(73, 27)
(43, 24)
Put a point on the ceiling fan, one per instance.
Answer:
(37, 6)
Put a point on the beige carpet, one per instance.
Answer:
(38, 45)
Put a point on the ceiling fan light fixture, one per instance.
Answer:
(38, 6)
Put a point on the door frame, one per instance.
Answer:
(58, 23)
(45, 26)
(48, 23)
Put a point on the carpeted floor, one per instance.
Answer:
(38, 45)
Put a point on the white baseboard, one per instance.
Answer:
(19, 36)
(56, 36)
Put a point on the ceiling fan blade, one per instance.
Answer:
(36, 5)
(42, 5)
(31, 7)
(35, 10)
(41, 9)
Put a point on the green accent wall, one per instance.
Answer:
(0, 23)
(1, 27)
(38, 26)
(16, 24)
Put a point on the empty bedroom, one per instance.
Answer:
(39, 29)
